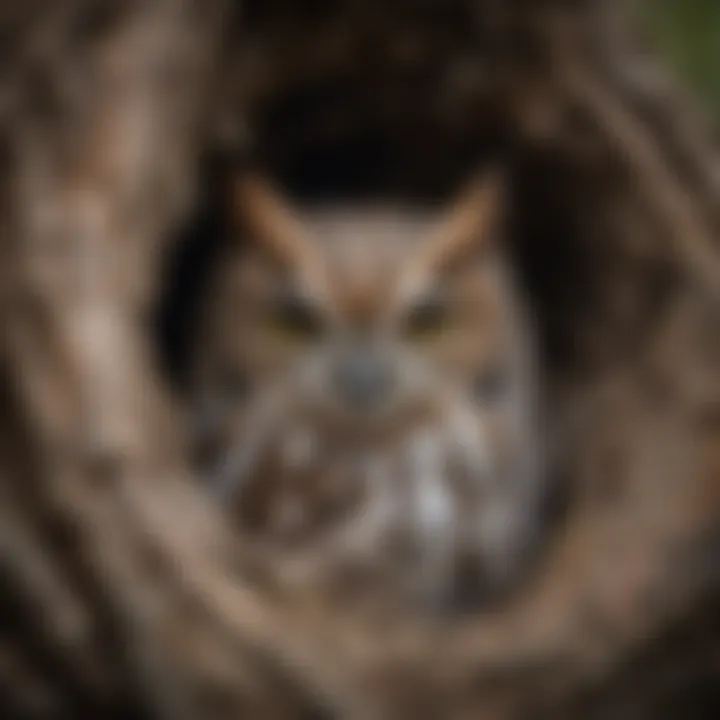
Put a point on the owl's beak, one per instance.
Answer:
(364, 379)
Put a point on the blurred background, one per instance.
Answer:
(688, 33)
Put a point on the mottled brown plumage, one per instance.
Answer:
(366, 382)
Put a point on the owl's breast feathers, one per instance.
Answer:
(416, 504)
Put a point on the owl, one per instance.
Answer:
(365, 390)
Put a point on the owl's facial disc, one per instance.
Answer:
(369, 314)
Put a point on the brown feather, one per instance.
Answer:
(469, 224)
(260, 210)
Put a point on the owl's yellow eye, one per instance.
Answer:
(427, 319)
(296, 318)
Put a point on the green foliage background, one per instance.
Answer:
(688, 32)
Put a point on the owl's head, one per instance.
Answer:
(348, 339)
(368, 315)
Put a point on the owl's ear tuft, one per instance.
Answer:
(261, 215)
(472, 223)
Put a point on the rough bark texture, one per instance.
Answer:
(123, 591)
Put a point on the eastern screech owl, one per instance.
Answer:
(366, 385)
